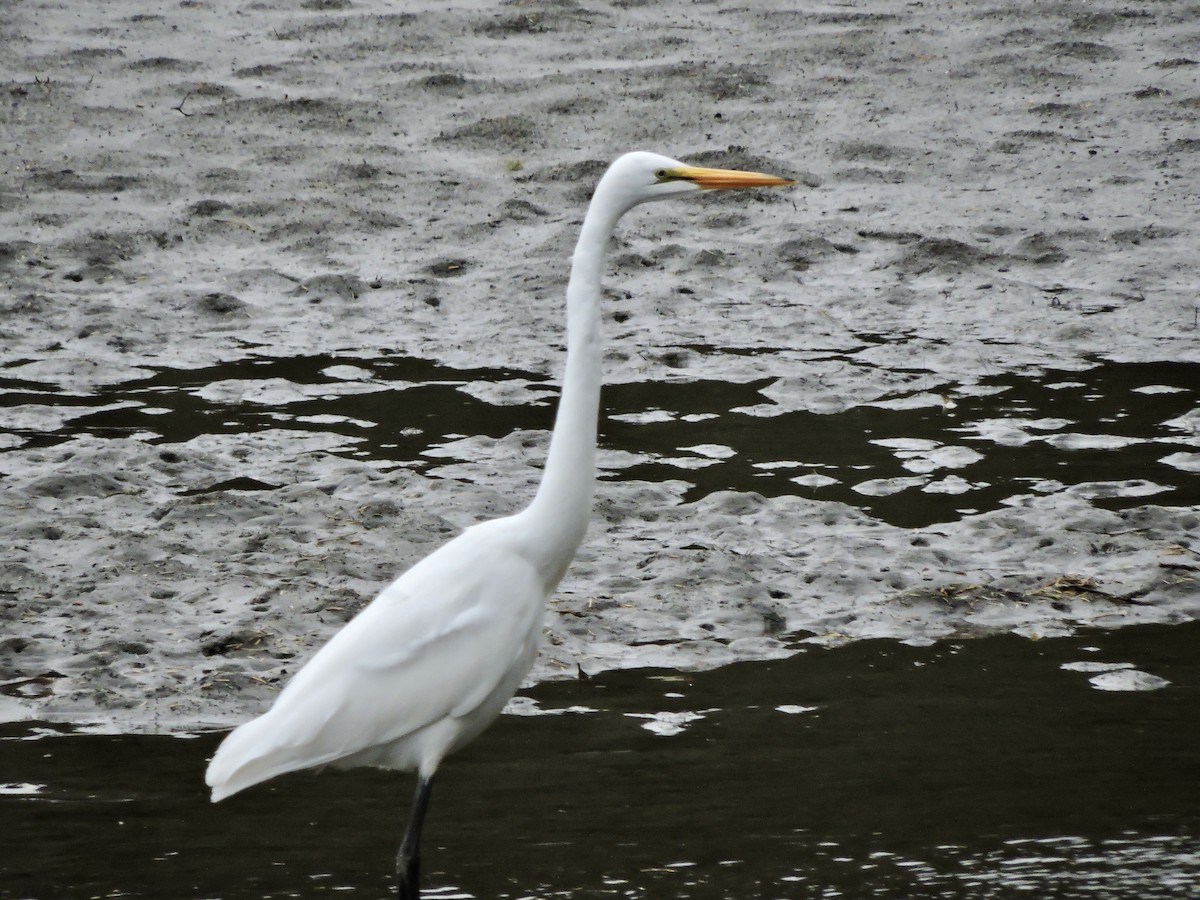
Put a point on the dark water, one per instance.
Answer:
(978, 770)
(1126, 432)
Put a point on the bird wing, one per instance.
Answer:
(438, 643)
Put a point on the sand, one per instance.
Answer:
(985, 188)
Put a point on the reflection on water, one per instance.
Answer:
(1118, 434)
(984, 769)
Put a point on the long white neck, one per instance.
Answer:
(559, 513)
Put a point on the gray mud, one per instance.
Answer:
(987, 190)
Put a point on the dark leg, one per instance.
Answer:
(408, 861)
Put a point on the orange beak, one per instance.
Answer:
(716, 179)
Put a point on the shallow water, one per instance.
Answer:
(967, 769)
(986, 195)
(1103, 432)
(973, 769)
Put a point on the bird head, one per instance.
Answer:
(640, 177)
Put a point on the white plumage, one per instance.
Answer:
(460, 652)
(434, 658)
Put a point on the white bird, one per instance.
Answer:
(436, 656)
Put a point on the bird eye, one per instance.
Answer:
(661, 175)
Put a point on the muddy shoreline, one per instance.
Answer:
(999, 189)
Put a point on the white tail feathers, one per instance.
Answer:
(248, 756)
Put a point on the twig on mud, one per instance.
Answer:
(1070, 586)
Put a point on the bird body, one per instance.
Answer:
(459, 630)
(434, 658)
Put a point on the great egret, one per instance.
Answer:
(435, 657)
